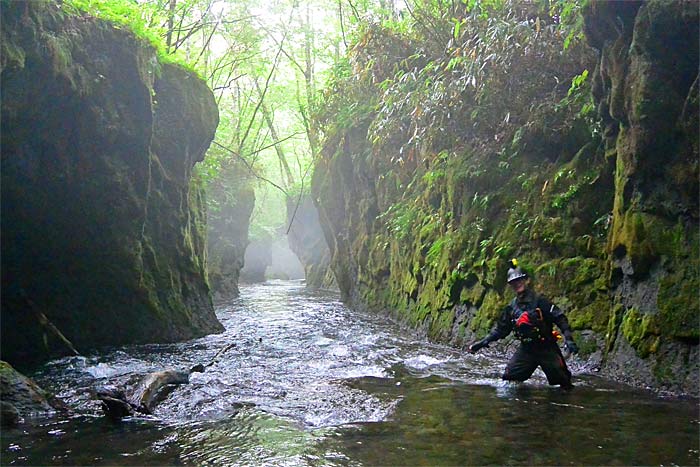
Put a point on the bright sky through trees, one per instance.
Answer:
(266, 63)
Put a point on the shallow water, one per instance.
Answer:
(310, 382)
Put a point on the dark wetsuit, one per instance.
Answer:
(538, 345)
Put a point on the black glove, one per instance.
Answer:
(571, 345)
(476, 346)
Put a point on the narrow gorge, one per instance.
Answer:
(282, 233)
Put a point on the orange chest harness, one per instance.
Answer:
(529, 325)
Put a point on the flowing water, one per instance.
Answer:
(310, 382)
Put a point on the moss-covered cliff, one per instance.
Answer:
(646, 87)
(102, 221)
(443, 161)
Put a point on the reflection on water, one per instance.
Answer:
(311, 383)
(442, 422)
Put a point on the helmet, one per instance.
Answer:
(515, 273)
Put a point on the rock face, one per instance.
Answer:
(307, 241)
(424, 201)
(646, 86)
(285, 263)
(103, 221)
(258, 257)
(21, 397)
(230, 202)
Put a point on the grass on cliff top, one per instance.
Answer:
(132, 16)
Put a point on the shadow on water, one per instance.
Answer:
(311, 383)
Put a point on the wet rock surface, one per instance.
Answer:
(605, 216)
(103, 221)
(21, 397)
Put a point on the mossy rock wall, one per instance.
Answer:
(604, 219)
(646, 86)
(103, 222)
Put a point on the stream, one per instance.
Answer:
(312, 383)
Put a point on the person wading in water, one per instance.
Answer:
(531, 317)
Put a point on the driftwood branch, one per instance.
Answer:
(150, 390)
(46, 323)
(218, 354)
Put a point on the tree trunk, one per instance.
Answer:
(275, 139)
(171, 23)
(309, 81)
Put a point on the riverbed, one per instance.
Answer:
(311, 383)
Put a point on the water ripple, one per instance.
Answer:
(305, 381)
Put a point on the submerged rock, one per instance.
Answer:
(21, 397)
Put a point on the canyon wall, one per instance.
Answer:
(439, 166)
(103, 220)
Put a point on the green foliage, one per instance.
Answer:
(571, 20)
(580, 99)
(433, 176)
(400, 218)
(133, 16)
(561, 200)
(461, 101)
(495, 68)
(435, 251)
(577, 82)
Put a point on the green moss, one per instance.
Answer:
(418, 314)
(641, 331)
(594, 315)
(197, 226)
(645, 238)
(663, 372)
(11, 55)
(59, 51)
(614, 322)
(648, 239)
(679, 303)
(579, 286)
(6, 369)
(472, 295)
(586, 345)
(487, 314)
(409, 284)
(549, 232)
(441, 324)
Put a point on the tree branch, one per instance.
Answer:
(250, 168)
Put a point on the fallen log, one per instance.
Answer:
(151, 390)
